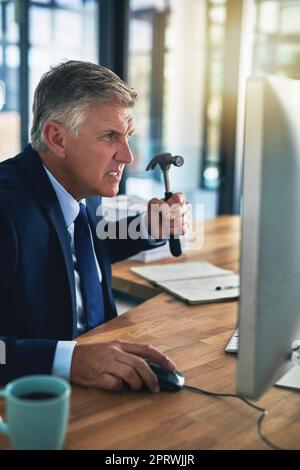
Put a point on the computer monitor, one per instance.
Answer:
(269, 310)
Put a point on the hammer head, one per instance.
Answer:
(165, 160)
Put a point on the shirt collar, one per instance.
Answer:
(69, 205)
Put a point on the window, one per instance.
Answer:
(60, 30)
(273, 47)
(277, 38)
(167, 66)
(51, 31)
(9, 82)
(216, 18)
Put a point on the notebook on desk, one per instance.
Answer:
(195, 282)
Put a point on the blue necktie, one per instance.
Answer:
(91, 287)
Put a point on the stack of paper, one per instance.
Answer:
(195, 282)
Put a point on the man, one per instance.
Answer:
(55, 273)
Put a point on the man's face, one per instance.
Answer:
(96, 157)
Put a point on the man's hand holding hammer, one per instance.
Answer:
(167, 218)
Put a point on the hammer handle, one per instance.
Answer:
(175, 245)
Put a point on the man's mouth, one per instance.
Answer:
(115, 173)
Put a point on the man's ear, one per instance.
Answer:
(54, 136)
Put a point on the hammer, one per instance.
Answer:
(165, 160)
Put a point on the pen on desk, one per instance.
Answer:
(226, 287)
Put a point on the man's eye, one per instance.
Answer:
(110, 136)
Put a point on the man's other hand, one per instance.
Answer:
(167, 218)
(110, 365)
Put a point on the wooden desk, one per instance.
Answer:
(193, 336)
(221, 246)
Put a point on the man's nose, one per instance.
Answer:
(124, 153)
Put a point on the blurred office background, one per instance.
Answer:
(189, 61)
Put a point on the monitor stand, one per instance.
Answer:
(291, 379)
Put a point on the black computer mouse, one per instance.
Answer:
(168, 381)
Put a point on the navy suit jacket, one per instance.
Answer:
(37, 287)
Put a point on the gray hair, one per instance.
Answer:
(65, 91)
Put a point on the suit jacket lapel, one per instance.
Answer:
(58, 221)
(46, 197)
